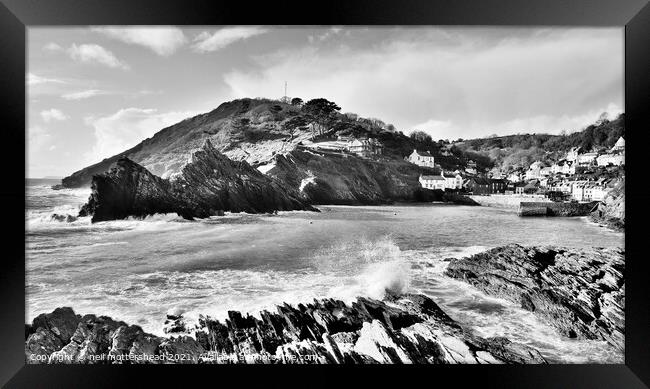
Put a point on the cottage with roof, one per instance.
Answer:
(478, 185)
(453, 181)
(614, 159)
(619, 145)
(432, 182)
(564, 166)
(535, 170)
(421, 158)
(587, 158)
(364, 147)
(572, 155)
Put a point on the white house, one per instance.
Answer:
(616, 159)
(587, 158)
(471, 167)
(572, 155)
(421, 158)
(453, 181)
(598, 192)
(561, 186)
(534, 171)
(564, 167)
(578, 190)
(588, 191)
(364, 147)
(433, 182)
(620, 145)
(514, 176)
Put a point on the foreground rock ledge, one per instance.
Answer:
(580, 292)
(400, 329)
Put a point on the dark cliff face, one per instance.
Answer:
(579, 292)
(214, 182)
(128, 189)
(352, 180)
(208, 185)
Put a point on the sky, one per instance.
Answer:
(93, 92)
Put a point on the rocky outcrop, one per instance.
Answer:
(401, 329)
(349, 180)
(579, 292)
(611, 211)
(208, 185)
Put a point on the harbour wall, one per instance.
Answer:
(555, 209)
(507, 201)
(534, 205)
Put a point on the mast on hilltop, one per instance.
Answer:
(285, 98)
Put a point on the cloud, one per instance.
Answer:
(127, 127)
(439, 129)
(53, 47)
(33, 79)
(206, 42)
(472, 81)
(161, 40)
(53, 114)
(93, 53)
(37, 138)
(84, 94)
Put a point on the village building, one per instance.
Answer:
(543, 182)
(534, 171)
(486, 186)
(471, 167)
(515, 176)
(498, 185)
(564, 166)
(365, 147)
(432, 182)
(598, 192)
(587, 159)
(519, 188)
(589, 191)
(453, 181)
(478, 185)
(563, 186)
(615, 159)
(421, 158)
(619, 145)
(531, 187)
(572, 155)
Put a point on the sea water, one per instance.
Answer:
(138, 270)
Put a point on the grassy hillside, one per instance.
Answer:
(254, 130)
(508, 152)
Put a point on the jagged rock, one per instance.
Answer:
(209, 184)
(122, 341)
(175, 324)
(580, 292)
(402, 329)
(63, 218)
(182, 349)
(40, 345)
(145, 349)
(62, 322)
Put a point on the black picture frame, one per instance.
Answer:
(17, 15)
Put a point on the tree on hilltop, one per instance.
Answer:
(321, 111)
